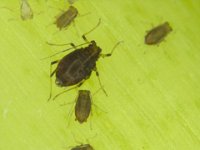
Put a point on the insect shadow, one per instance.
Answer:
(157, 34)
(76, 67)
(26, 12)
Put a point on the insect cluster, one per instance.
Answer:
(75, 68)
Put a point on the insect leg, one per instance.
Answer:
(52, 44)
(84, 35)
(84, 14)
(91, 114)
(69, 115)
(3, 7)
(93, 102)
(97, 74)
(110, 54)
(67, 90)
(56, 8)
(74, 24)
(51, 74)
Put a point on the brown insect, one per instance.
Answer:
(83, 106)
(66, 17)
(77, 66)
(83, 147)
(157, 34)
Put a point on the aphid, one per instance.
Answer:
(157, 34)
(83, 106)
(77, 66)
(26, 11)
(83, 147)
(66, 18)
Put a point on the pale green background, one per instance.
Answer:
(153, 102)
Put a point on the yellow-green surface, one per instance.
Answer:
(153, 102)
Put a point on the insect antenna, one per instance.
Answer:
(110, 54)
(73, 47)
(67, 90)
(51, 74)
(84, 35)
(4, 7)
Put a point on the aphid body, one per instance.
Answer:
(83, 106)
(77, 65)
(26, 11)
(83, 147)
(66, 18)
(157, 34)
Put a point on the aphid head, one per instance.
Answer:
(93, 47)
(167, 27)
(84, 92)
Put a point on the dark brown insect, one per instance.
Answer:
(83, 106)
(157, 34)
(83, 147)
(66, 18)
(77, 66)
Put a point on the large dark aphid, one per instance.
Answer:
(66, 18)
(77, 66)
(83, 106)
(83, 147)
(157, 34)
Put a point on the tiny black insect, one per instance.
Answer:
(66, 18)
(157, 34)
(77, 66)
(83, 147)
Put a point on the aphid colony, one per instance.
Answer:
(75, 68)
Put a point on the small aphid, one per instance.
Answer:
(26, 11)
(77, 66)
(157, 34)
(66, 18)
(83, 106)
(83, 147)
